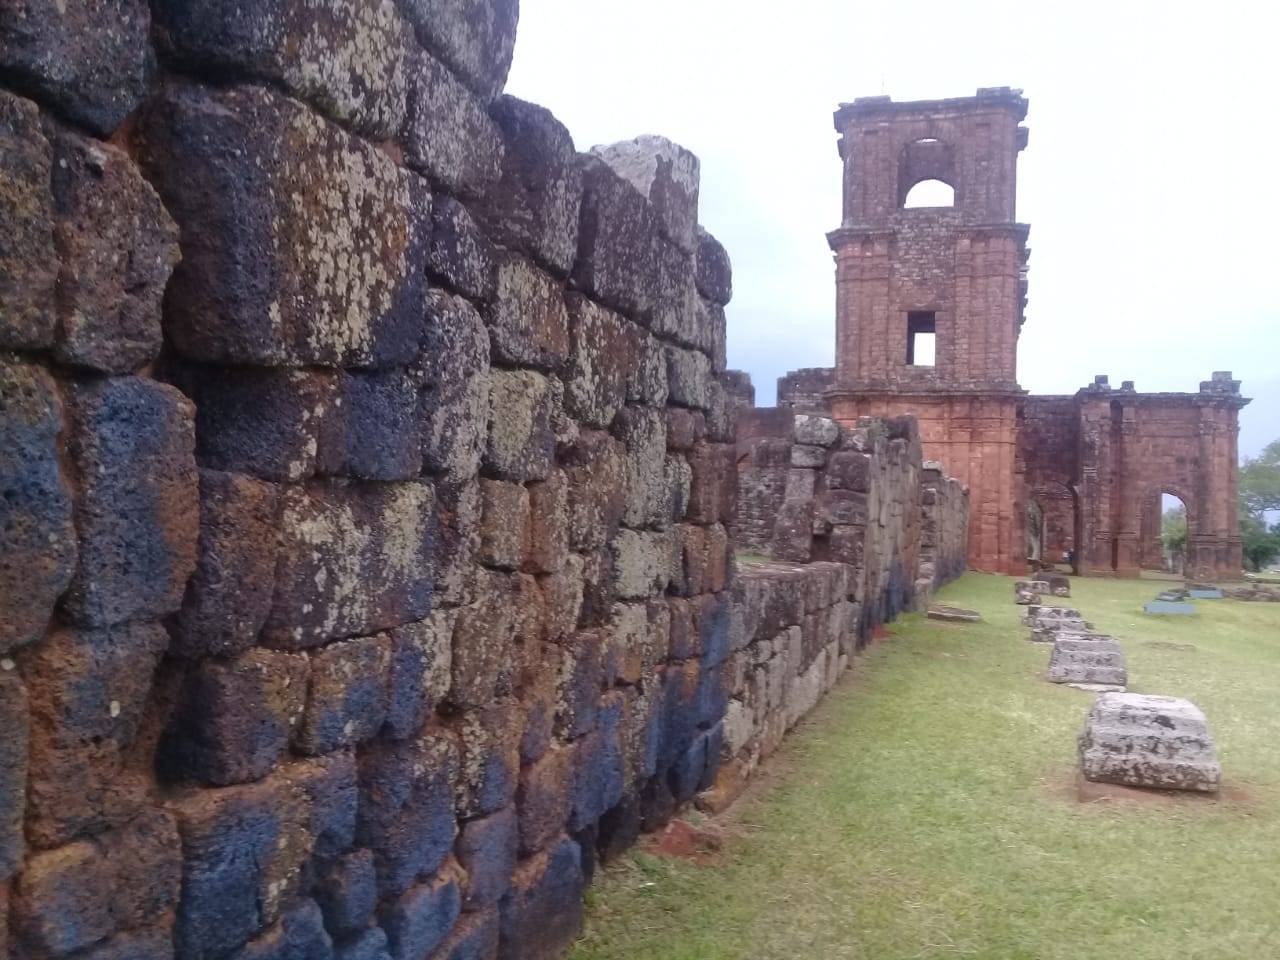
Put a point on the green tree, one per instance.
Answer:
(1260, 481)
(1260, 544)
(1173, 529)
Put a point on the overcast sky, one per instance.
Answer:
(1150, 181)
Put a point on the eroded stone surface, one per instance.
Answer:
(28, 261)
(476, 38)
(301, 244)
(1149, 741)
(1093, 660)
(665, 173)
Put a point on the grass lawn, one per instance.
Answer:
(929, 808)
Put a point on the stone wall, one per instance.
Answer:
(364, 560)
(848, 528)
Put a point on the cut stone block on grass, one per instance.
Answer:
(1091, 662)
(1149, 741)
(1047, 631)
(954, 614)
(1169, 607)
(1023, 587)
(1040, 612)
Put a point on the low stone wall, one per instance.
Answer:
(944, 531)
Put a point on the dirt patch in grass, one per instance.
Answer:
(1067, 785)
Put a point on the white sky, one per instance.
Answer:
(1151, 182)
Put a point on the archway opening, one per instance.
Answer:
(1053, 509)
(930, 193)
(1174, 529)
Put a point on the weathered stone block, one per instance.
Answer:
(816, 431)
(234, 718)
(544, 798)
(548, 884)
(689, 378)
(302, 244)
(549, 505)
(849, 470)
(28, 259)
(475, 38)
(118, 246)
(676, 308)
(562, 592)
(644, 433)
(713, 490)
(667, 175)
(37, 538)
(842, 507)
(346, 59)
(72, 897)
(484, 642)
(267, 423)
(647, 377)
(534, 207)
(406, 812)
(229, 594)
(422, 917)
(449, 136)
(373, 431)
(137, 515)
(487, 852)
(1087, 661)
(299, 932)
(369, 944)
(713, 271)
(616, 262)
(14, 747)
(807, 455)
(420, 671)
(604, 357)
(456, 365)
(354, 559)
(596, 467)
(600, 768)
(152, 942)
(581, 679)
(348, 893)
(474, 937)
(521, 442)
(505, 531)
(87, 690)
(684, 428)
(490, 759)
(460, 256)
(89, 59)
(528, 320)
(642, 563)
(1148, 741)
(346, 694)
(640, 638)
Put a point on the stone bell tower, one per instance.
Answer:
(930, 298)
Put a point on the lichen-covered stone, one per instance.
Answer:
(234, 718)
(600, 769)
(617, 261)
(689, 378)
(346, 694)
(534, 207)
(347, 59)
(489, 749)
(1087, 661)
(544, 798)
(300, 243)
(814, 430)
(603, 362)
(484, 642)
(137, 513)
(521, 441)
(476, 38)
(75, 896)
(474, 937)
(642, 562)
(37, 538)
(505, 531)
(448, 135)
(354, 559)
(348, 893)
(596, 467)
(229, 594)
(713, 271)
(28, 260)
(644, 433)
(117, 247)
(456, 367)
(528, 321)
(667, 175)
(88, 59)
(420, 672)
(299, 932)
(460, 256)
(1149, 741)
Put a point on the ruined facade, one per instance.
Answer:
(953, 277)
(367, 492)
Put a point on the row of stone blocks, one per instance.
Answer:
(1129, 738)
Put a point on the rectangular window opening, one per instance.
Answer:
(921, 338)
